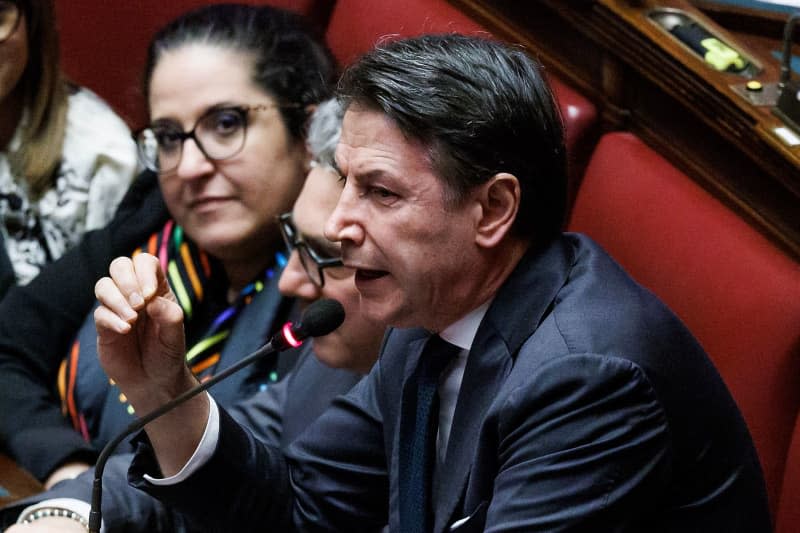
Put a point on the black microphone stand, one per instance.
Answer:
(788, 106)
(95, 515)
(320, 318)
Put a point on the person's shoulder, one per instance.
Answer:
(96, 138)
(88, 110)
(601, 299)
(596, 308)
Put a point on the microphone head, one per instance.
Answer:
(320, 318)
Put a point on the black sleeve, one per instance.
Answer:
(39, 321)
(332, 478)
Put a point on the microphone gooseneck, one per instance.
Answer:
(320, 318)
(786, 60)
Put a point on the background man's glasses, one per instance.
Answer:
(220, 134)
(10, 16)
(313, 261)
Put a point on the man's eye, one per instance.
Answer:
(382, 192)
(379, 194)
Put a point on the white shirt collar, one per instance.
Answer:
(462, 332)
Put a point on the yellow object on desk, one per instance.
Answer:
(721, 56)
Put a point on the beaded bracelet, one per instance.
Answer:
(46, 512)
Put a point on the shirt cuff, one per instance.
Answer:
(71, 504)
(203, 452)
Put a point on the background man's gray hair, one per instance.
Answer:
(324, 130)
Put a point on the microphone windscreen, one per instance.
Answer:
(320, 318)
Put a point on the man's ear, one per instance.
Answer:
(498, 200)
(309, 110)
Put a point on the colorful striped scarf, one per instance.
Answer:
(192, 275)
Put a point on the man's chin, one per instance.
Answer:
(326, 349)
(383, 311)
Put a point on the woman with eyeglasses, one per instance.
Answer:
(327, 366)
(65, 158)
(229, 90)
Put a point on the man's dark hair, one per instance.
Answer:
(291, 62)
(481, 107)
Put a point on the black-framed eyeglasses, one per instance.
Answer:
(219, 134)
(313, 261)
(10, 15)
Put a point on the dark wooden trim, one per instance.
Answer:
(644, 80)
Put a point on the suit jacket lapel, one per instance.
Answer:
(516, 311)
(414, 352)
(483, 376)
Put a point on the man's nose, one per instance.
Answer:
(294, 280)
(344, 224)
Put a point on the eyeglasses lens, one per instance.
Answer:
(310, 266)
(219, 134)
(290, 239)
(287, 232)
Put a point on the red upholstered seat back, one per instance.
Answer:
(104, 44)
(737, 293)
(356, 25)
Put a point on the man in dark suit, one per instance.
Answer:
(571, 399)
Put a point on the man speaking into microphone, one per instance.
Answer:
(528, 384)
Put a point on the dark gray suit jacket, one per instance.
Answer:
(585, 406)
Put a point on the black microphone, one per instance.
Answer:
(320, 318)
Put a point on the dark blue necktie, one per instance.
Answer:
(418, 424)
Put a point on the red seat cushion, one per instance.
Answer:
(355, 26)
(737, 293)
(104, 44)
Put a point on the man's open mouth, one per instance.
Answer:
(369, 275)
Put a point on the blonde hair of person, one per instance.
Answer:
(45, 101)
